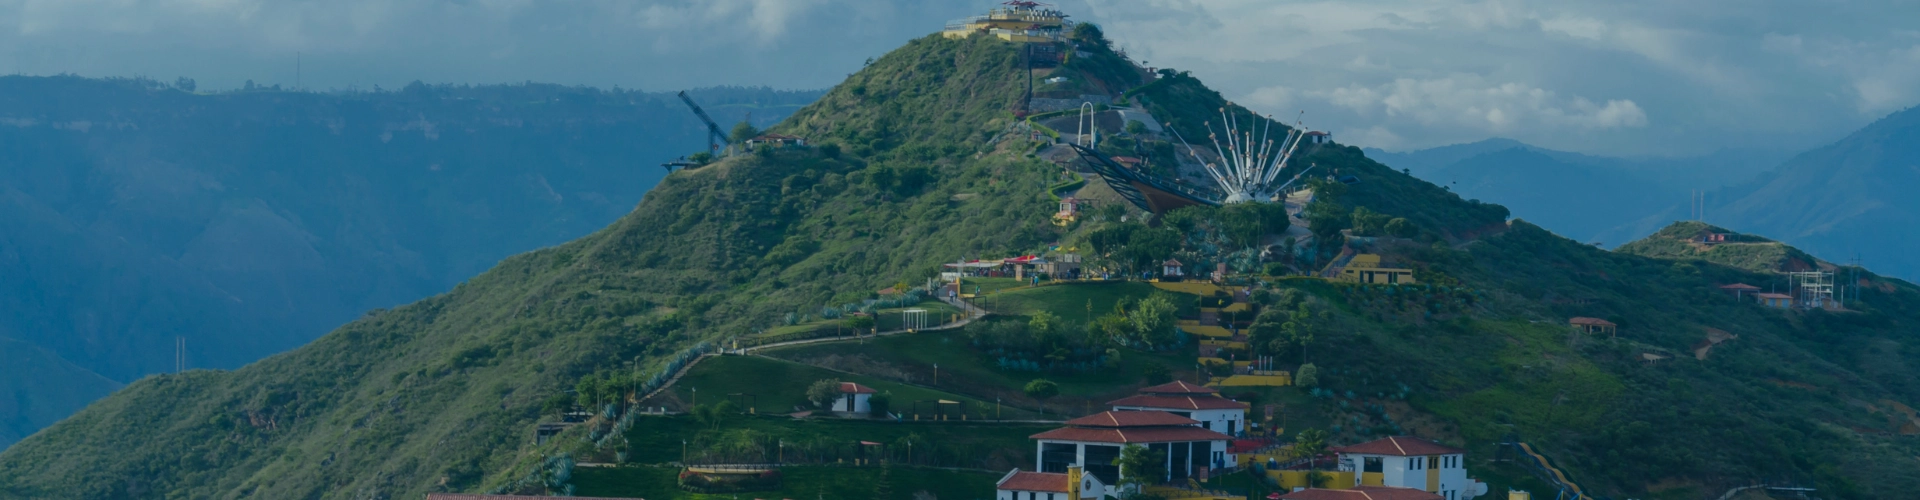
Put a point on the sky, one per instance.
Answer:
(1616, 78)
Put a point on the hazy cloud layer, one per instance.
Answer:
(1623, 77)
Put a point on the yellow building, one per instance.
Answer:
(1018, 21)
(1366, 268)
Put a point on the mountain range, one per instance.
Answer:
(139, 217)
(920, 159)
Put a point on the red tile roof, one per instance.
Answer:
(1739, 286)
(1131, 435)
(853, 388)
(1590, 321)
(1179, 402)
(1362, 493)
(1034, 481)
(1178, 387)
(1399, 446)
(1145, 418)
(1773, 296)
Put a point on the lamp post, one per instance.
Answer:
(696, 395)
(996, 408)
(936, 374)
(683, 452)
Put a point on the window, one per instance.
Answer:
(1370, 464)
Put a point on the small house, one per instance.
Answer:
(1069, 211)
(1407, 462)
(1775, 300)
(1740, 290)
(1594, 325)
(1171, 269)
(1093, 442)
(1369, 269)
(854, 398)
(1318, 137)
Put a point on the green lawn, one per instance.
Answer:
(990, 285)
(965, 372)
(1070, 300)
(777, 386)
(658, 483)
(993, 446)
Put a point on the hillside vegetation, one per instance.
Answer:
(915, 166)
(251, 222)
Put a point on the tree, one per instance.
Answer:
(742, 132)
(714, 415)
(823, 392)
(1135, 127)
(1307, 376)
(860, 323)
(1400, 228)
(1041, 323)
(1149, 246)
(1367, 222)
(1041, 390)
(1310, 443)
(880, 404)
(1137, 466)
(1153, 319)
(185, 84)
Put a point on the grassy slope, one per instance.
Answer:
(1748, 252)
(779, 386)
(446, 388)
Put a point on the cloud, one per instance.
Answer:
(1469, 101)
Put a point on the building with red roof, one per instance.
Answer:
(1200, 403)
(1593, 325)
(1092, 442)
(1021, 485)
(1407, 462)
(854, 398)
(1362, 493)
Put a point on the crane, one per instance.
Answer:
(714, 136)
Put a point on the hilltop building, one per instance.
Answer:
(1015, 21)
(1199, 403)
(1318, 137)
(1367, 268)
(1171, 269)
(1405, 462)
(1775, 300)
(775, 140)
(1094, 441)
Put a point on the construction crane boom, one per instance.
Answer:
(714, 136)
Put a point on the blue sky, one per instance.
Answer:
(1624, 77)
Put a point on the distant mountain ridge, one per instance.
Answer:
(249, 223)
(1588, 198)
(1850, 198)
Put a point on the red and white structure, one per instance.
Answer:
(1094, 441)
(1406, 462)
(1197, 402)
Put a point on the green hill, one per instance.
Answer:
(918, 160)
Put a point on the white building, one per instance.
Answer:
(1200, 403)
(1017, 485)
(1094, 441)
(854, 398)
(1405, 462)
(1318, 137)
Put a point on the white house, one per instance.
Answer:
(1405, 462)
(1200, 403)
(853, 398)
(1171, 268)
(1018, 485)
(1094, 441)
(1318, 137)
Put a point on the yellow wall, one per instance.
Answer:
(1282, 379)
(1433, 476)
(1372, 479)
(1290, 479)
(1208, 331)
